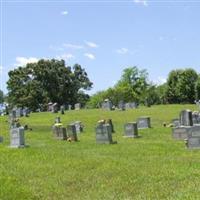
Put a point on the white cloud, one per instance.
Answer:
(54, 48)
(22, 61)
(122, 51)
(65, 57)
(160, 80)
(73, 46)
(91, 44)
(64, 12)
(90, 56)
(143, 2)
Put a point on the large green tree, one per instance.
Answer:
(181, 86)
(38, 83)
(197, 88)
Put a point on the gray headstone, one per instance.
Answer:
(50, 107)
(186, 118)
(71, 132)
(54, 108)
(121, 106)
(17, 139)
(69, 107)
(107, 105)
(181, 132)
(131, 130)
(1, 139)
(59, 132)
(103, 134)
(78, 126)
(77, 106)
(25, 112)
(144, 122)
(19, 112)
(193, 140)
(196, 117)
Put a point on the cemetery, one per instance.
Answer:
(100, 153)
(99, 100)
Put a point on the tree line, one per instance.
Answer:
(182, 86)
(37, 84)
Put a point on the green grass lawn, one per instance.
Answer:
(151, 167)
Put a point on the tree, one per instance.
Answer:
(197, 88)
(47, 80)
(1, 97)
(136, 81)
(181, 86)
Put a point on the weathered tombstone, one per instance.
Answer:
(77, 106)
(175, 122)
(71, 132)
(131, 130)
(107, 105)
(103, 134)
(19, 112)
(109, 121)
(78, 126)
(69, 107)
(144, 122)
(54, 108)
(121, 106)
(25, 112)
(50, 106)
(180, 132)
(62, 109)
(1, 139)
(193, 139)
(17, 139)
(59, 132)
(196, 117)
(186, 118)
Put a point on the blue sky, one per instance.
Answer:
(103, 36)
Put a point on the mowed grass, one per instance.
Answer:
(153, 166)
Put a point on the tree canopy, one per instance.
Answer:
(47, 81)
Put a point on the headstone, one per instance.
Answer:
(1, 139)
(78, 126)
(144, 122)
(71, 132)
(50, 106)
(131, 105)
(121, 106)
(69, 107)
(180, 132)
(193, 140)
(62, 109)
(54, 108)
(17, 139)
(25, 112)
(176, 122)
(107, 105)
(186, 118)
(19, 112)
(196, 117)
(103, 134)
(131, 130)
(77, 106)
(59, 132)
